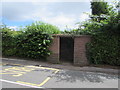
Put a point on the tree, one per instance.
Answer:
(99, 8)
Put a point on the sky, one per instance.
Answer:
(62, 14)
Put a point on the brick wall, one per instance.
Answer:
(80, 50)
(54, 48)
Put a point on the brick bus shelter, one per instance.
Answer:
(69, 48)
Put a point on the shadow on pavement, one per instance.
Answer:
(73, 76)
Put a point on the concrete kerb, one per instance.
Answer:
(66, 67)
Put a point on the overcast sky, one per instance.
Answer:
(15, 14)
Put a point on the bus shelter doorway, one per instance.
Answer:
(66, 49)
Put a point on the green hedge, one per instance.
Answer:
(33, 45)
(8, 42)
(33, 41)
(104, 49)
(105, 45)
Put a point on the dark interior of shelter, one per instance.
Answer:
(66, 49)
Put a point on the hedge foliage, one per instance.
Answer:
(31, 42)
(8, 42)
(105, 45)
(33, 45)
(104, 49)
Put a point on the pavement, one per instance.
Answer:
(65, 66)
(18, 73)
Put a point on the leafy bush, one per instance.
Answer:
(8, 42)
(43, 27)
(104, 48)
(33, 44)
(32, 41)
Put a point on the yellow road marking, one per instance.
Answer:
(46, 80)
(22, 69)
(43, 68)
(12, 72)
(27, 69)
(2, 64)
(17, 64)
(17, 71)
(34, 66)
(19, 83)
(18, 74)
(41, 84)
(56, 71)
(10, 64)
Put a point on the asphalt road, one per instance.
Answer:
(29, 76)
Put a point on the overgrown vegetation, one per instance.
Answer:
(99, 8)
(31, 42)
(104, 48)
(104, 26)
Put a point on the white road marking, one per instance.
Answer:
(19, 83)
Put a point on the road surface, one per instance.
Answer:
(31, 76)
